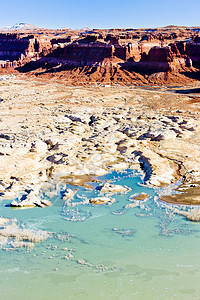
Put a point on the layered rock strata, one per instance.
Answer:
(136, 56)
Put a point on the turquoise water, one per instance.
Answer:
(134, 253)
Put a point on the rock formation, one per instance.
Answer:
(30, 200)
(113, 188)
(136, 56)
(101, 200)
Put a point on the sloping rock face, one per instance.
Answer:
(116, 55)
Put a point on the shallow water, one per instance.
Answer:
(118, 253)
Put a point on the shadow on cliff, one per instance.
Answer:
(51, 64)
(192, 75)
(107, 70)
(31, 66)
(41, 67)
(138, 67)
(188, 91)
(84, 68)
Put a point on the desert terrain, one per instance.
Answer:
(79, 104)
(51, 132)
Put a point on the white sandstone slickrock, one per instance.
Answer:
(55, 141)
(101, 200)
(31, 200)
(113, 188)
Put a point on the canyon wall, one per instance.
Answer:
(142, 51)
(16, 50)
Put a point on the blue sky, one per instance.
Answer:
(100, 13)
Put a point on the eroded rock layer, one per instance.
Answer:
(126, 56)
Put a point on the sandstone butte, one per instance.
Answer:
(74, 108)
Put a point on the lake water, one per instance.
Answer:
(118, 253)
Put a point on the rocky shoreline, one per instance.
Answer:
(51, 133)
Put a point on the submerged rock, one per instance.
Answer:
(100, 268)
(75, 215)
(124, 232)
(15, 235)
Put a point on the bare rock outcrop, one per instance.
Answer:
(30, 200)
